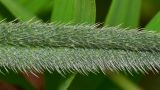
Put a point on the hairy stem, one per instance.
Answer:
(80, 60)
(53, 35)
(77, 48)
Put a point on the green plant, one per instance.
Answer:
(52, 46)
(73, 43)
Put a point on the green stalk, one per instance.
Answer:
(66, 60)
(39, 46)
(77, 36)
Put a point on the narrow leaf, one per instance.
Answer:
(74, 11)
(124, 82)
(124, 12)
(154, 24)
(37, 5)
(17, 10)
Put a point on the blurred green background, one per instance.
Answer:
(129, 13)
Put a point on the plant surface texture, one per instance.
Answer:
(77, 48)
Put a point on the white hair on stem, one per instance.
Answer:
(82, 48)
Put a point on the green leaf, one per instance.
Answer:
(154, 24)
(125, 12)
(34, 6)
(74, 11)
(5, 13)
(18, 11)
(38, 5)
(123, 81)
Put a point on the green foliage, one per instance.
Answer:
(125, 12)
(37, 5)
(75, 44)
(125, 83)
(18, 11)
(73, 11)
(154, 23)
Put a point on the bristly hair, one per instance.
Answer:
(77, 48)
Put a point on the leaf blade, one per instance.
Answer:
(125, 12)
(76, 11)
(18, 11)
(154, 23)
